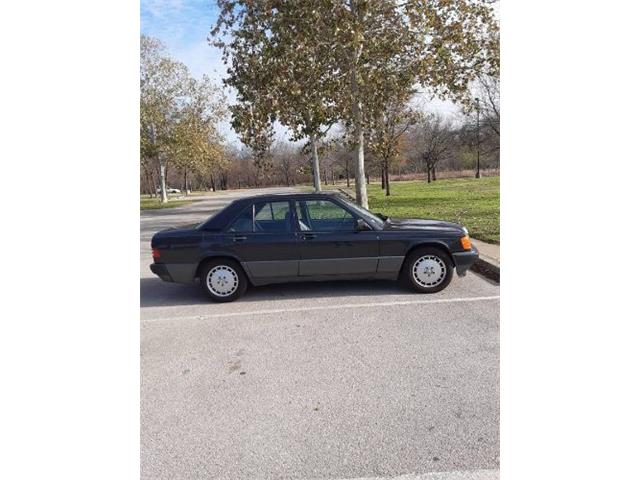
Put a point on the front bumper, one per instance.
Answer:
(464, 260)
(161, 270)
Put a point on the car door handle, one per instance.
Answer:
(307, 236)
(239, 238)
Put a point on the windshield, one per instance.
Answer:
(371, 217)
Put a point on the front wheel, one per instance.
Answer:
(427, 270)
(223, 280)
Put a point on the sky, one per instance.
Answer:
(183, 26)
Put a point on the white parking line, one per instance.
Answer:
(453, 475)
(326, 307)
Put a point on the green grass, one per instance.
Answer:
(147, 203)
(475, 203)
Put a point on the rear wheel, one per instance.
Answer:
(427, 270)
(223, 280)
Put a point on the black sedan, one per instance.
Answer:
(302, 237)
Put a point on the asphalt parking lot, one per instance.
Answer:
(323, 381)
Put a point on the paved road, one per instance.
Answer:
(323, 381)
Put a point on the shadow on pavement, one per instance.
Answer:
(156, 293)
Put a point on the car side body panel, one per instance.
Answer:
(338, 253)
(390, 265)
(265, 255)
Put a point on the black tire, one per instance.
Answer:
(436, 260)
(231, 273)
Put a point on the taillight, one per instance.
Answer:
(466, 242)
(155, 253)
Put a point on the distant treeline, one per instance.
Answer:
(450, 148)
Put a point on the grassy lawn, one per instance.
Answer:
(473, 202)
(147, 203)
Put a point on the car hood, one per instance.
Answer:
(417, 224)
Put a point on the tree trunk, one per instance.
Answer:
(333, 177)
(186, 185)
(433, 172)
(154, 175)
(382, 177)
(315, 163)
(361, 186)
(326, 177)
(162, 167)
(213, 182)
(346, 169)
(163, 181)
(386, 179)
(428, 174)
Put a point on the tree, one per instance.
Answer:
(256, 131)
(293, 59)
(162, 97)
(387, 46)
(487, 91)
(480, 129)
(386, 132)
(288, 161)
(279, 70)
(434, 138)
(197, 146)
(178, 118)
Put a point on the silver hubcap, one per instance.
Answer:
(429, 271)
(222, 280)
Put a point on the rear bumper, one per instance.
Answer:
(464, 260)
(175, 272)
(161, 270)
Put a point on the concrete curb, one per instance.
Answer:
(487, 269)
(488, 265)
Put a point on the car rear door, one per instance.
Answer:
(329, 242)
(263, 238)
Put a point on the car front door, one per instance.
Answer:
(329, 241)
(263, 238)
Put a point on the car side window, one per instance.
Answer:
(273, 217)
(244, 222)
(325, 216)
(264, 217)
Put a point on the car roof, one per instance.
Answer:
(266, 196)
(220, 219)
(295, 194)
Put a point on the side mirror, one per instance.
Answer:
(381, 216)
(362, 226)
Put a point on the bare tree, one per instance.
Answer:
(488, 94)
(287, 161)
(433, 137)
